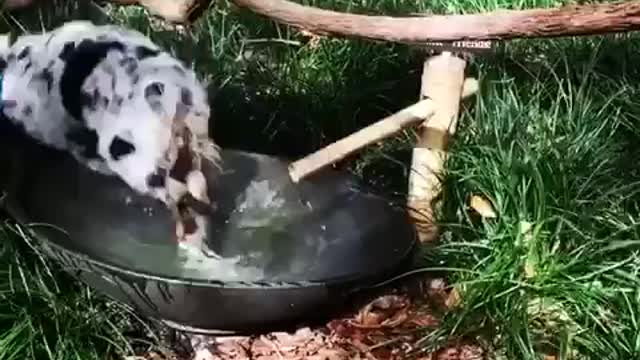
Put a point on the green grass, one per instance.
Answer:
(551, 139)
(45, 314)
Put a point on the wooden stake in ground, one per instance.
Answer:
(442, 82)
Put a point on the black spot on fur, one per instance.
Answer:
(118, 100)
(89, 101)
(184, 161)
(11, 57)
(129, 64)
(27, 110)
(131, 68)
(157, 179)
(24, 52)
(87, 139)
(156, 107)
(179, 70)
(86, 100)
(104, 101)
(143, 52)
(120, 147)
(124, 61)
(153, 89)
(186, 96)
(47, 76)
(130, 95)
(27, 67)
(67, 50)
(135, 78)
(80, 63)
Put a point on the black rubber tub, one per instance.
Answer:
(291, 252)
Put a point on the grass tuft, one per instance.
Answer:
(46, 314)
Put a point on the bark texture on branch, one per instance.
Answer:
(507, 24)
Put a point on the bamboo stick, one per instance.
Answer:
(442, 82)
(412, 116)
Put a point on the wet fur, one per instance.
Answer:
(119, 104)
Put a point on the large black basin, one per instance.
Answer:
(291, 251)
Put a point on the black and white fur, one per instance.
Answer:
(120, 105)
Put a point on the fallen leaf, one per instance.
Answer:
(423, 320)
(453, 299)
(437, 291)
(331, 354)
(389, 302)
(483, 207)
(460, 352)
(379, 312)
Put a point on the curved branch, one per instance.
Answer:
(507, 24)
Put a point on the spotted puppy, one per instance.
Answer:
(120, 105)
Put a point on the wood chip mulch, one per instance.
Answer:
(386, 327)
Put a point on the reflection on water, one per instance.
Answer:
(270, 233)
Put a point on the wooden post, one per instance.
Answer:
(442, 82)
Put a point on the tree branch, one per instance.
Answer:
(506, 24)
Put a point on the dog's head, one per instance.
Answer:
(158, 133)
